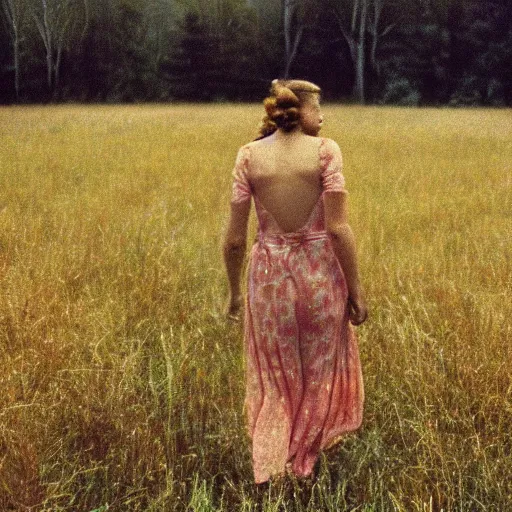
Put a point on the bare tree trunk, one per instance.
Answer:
(87, 19)
(377, 9)
(55, 24)
(17, 65)
(359, 91)
(355, 36)
(13, 14)
(293, 53)
(355, 41)
(43, 25)
(49, 48)
(378, 5)
(57, 68)
(60, 48)
(291, 41)
(355, 11)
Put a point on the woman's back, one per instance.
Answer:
(284, 172)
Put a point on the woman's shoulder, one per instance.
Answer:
(330, 156)
(329, 144)
(243, 152)
(254, 146)
(246, 148)
(329, 150)
(260, 142)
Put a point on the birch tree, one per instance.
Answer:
(57, 22)
(365, 19)
(293, 29)
(377, 31)
(15, 14)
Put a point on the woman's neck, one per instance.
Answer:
(281, 134)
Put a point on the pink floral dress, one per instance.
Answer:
(304, 385)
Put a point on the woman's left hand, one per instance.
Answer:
(358, 311)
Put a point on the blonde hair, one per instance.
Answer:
(283, 105)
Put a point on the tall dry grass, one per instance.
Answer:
(122, 385)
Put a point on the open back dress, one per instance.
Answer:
(304, 385)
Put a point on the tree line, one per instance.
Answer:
(412, 52)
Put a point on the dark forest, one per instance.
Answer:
(404, 52)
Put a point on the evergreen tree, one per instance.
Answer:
(240, 55)
(131, 74)
(415, 59)
(324, 56)
(482, 56)
(192, 71)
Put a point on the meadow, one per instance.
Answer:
(121, 383)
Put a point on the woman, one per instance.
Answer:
(303, 384)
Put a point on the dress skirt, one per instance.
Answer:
(304, 385)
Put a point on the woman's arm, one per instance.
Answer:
(343, 242)
(235, 242)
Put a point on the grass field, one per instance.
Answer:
(121, 384)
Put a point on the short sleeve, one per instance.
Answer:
(241, 188)
(331, 164)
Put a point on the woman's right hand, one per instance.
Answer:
(358, 311)
(234, 306)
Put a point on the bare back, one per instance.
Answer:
(285, 176)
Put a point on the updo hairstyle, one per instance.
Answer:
(283, 105)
